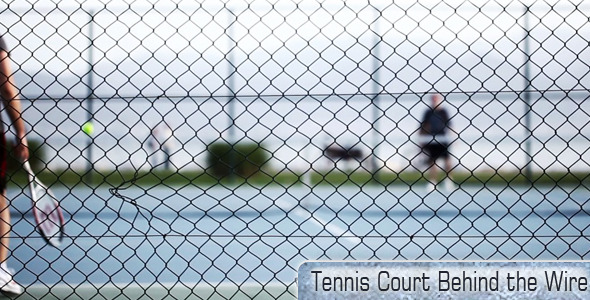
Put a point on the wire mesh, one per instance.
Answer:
(207, 149)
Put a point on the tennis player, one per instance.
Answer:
(161, 139)
(434, 136)
(11, 102)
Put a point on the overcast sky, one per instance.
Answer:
(284, 47)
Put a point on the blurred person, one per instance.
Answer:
(161, 139)
(434, 130)
(12, 106)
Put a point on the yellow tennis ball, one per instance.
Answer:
(88, 128)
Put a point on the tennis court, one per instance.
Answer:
(206, 149)
(220, 240)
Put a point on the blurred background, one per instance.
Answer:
(296, 77)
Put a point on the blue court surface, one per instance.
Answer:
(209, 241)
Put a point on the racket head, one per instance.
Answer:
(48, 216)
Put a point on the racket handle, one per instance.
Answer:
(27, 167)
(29, 171)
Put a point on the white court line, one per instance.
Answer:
(335, 230)
(157, 290)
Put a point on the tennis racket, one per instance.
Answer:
(46, 210)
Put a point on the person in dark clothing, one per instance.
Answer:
(434, 136)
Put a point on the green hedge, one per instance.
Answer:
(245, 158)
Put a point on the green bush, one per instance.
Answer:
(36, 156)
(245, 158)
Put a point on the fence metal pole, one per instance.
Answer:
(377, 90)
(527, 98)
(232, 97)
(90, 97)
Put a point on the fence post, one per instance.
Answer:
(376, 90)
(232, 96)
(527, 98)
(90, 97)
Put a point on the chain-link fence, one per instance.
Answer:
(207, 149)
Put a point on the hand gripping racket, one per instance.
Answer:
(46, 210)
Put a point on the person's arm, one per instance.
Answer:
(11, 102)
(424, 124)
(422, 132)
